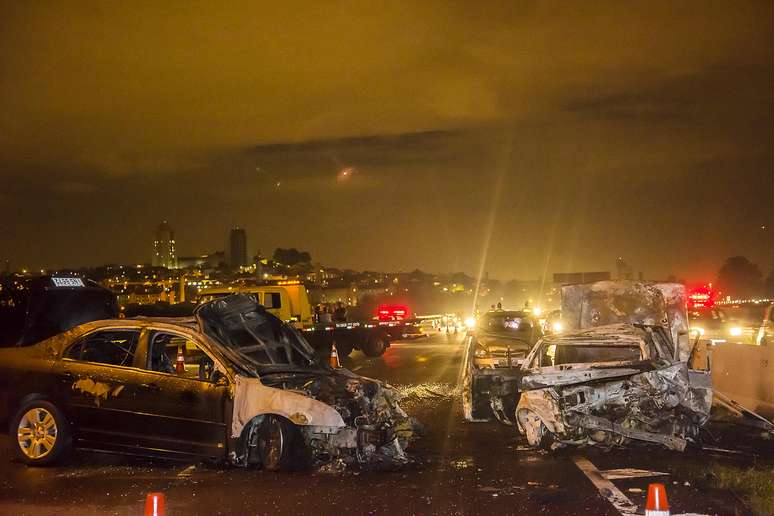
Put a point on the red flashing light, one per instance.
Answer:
(701, 297)
(392, 312)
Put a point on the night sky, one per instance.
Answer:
(391, 136)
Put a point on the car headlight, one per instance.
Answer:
(470, 322)
(735, 331)
(557, 327)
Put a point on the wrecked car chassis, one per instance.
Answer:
(612, 382)
(235, 386)
(609, 405)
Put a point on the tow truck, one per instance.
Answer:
(289, 301)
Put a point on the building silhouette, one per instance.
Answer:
(164, 254)
(237, 248)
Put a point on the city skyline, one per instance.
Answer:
(507, 139)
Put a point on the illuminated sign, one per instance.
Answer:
(67, 282)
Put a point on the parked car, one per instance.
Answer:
(234, 384)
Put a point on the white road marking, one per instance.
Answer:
(186, 472)
(606, 488)
(622, 473)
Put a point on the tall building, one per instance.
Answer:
(164, 247)
(237, 248)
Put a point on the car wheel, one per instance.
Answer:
(375, 346)
(279, 444)
(42, 433)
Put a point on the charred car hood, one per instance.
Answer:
(344, 418)
(254, 339)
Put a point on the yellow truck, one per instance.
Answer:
(289, 301)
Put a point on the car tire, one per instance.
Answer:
(40, 434)
(376, 345)
(279, 444)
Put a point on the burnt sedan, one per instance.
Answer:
(235, 385)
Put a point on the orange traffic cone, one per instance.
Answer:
(180, 362)
(334, 357)
(154, 504)
(657, 504)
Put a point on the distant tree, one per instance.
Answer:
(738, 277)
(418, 276)
(460, 278)
(291, 256)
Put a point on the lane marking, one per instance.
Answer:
(606, 488)
(186, 472)
(623, 473)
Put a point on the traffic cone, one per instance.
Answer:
(180, 361)
(154, 504)
(334, 357)
(657, 504)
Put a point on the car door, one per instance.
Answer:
(186, 406)
(98, 381)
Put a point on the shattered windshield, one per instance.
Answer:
(243, 326)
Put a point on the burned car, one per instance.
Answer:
(500, 340)
(619, 374)
(235, 384)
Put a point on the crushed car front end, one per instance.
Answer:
(621, 372)
(341, 418)
(611, 402)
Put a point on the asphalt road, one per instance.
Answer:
(461, 468)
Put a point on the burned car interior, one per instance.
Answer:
(619, 375)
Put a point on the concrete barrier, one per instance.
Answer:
(745, 373)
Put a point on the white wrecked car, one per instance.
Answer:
(619, 374)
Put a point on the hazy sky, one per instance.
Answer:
(391, 135)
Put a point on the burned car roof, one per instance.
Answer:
(623, 334)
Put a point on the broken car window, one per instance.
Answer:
(174, 354)
(115, 347)
(574, 354)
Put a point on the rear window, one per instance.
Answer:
(507, 322)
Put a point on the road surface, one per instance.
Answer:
(461, 468)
